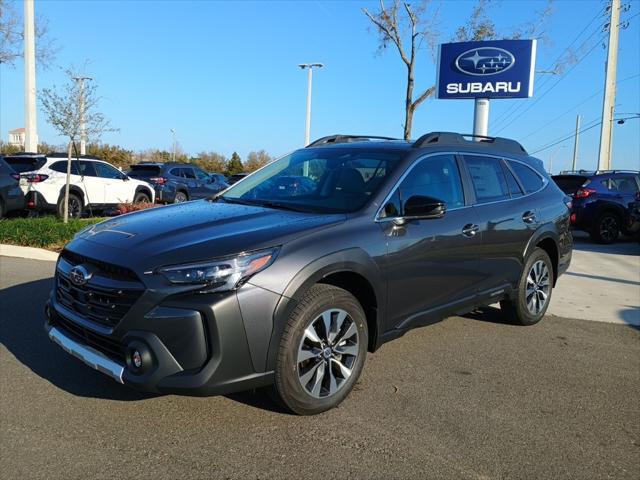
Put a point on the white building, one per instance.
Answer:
(16, 137)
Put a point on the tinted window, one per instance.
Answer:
(176, 172)
(318, 180)
(621, 184)
(200, 175)
(62, 167)
(25, 164)
(107, 171)
(570, 184)
(512, 183)
(86, 168)
(144, 171)
(530, 180)
(488, 178)
(187, 172)
(437, 177)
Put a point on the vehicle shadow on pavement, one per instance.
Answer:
(623, 246)
(488, 314)
(22, 333)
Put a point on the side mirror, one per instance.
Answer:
(125, 177)
(423, 207)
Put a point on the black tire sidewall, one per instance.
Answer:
(186, 197)
(61, 205)
(139, 195)
(596, 228)
(288, 386)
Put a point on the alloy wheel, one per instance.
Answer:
(327, 353)
(538, 287)
(608, 229)
(74, 207)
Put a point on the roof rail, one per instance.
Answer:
(338, 138)
(453, 138)
(617, 171)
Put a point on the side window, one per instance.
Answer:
(436, 177)
(62, 167)
(512, 183)
(200, 175)
(488, 178)
(176, 172)
(531, 181)
(85, 168)
(188, 173)
(625, 184)
(106, 171)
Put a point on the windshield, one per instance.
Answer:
(328, 180)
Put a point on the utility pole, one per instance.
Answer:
(30, 120)
(310, 67)
(576, 139)
(608, 107)
(83, 126)
(481, 117)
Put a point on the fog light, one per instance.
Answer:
(136, 358)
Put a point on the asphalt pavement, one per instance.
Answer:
(469, 397)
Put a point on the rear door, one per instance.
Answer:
(89, 182)
(507, 220)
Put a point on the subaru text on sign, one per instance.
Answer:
(490, 69)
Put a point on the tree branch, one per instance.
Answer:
(426, 94)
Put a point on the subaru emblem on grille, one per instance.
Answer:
(79, 275)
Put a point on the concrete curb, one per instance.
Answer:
(27, 252)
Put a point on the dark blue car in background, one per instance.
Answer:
(601, 201)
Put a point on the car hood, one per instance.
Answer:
(194, 231)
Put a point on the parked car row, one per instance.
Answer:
(603, 202)
(37, 182)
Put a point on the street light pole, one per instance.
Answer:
(310, 67)
(83, 126)
(31, 125)
(173, 145)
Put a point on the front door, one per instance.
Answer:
(116, 187)
(431, 264)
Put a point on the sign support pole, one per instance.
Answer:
(481, 117)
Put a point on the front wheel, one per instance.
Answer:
(322, 351)
(534, 291)
(141, 197)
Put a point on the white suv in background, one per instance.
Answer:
(95, 185)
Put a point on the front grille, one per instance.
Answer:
(108, 346)
(108, 270)
(108, 295)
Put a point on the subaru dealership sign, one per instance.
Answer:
(489, 69)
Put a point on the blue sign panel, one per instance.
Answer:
(490, 69)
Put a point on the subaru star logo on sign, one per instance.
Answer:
(491, 69)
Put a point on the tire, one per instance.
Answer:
(141, 197)
(2, 211)
(327, 371)
(180, 197)
(75, 206)
(606, 228)
(536, 282)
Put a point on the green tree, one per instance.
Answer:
(113, 154)
(211, 162)
(256, 160)
(234, 165)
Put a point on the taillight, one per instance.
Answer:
(573, 218)
(34, 177)
(158, 180)
(584, 192)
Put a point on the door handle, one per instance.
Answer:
(470, 230)
(529, 217)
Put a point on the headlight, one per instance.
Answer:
(223, 274)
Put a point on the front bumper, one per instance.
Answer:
(194, 346)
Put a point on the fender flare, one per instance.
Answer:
(354, 260)
(75, 190)
(145, 190)
(544, 232)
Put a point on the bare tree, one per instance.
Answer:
(256, 160)
(65, 109)
(412, 27)
(12, 37)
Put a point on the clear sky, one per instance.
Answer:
(224, 75)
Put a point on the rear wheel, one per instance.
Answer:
(534, 291)
(322, 351)
(141, 197)
(181, 197)
(75, 206)
(606, 228)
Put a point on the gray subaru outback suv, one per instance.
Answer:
(288, 278)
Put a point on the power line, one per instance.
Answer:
(554, 64)
(564, 75)
(564, 139)
(546, 124)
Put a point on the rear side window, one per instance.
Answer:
(488, 178)
(512, 183)
(188, 173)
(530, 180)
(621, 184)
(62, 167)
(25, 164)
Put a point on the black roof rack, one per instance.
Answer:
(452, 138)
(595, 172)
(346, 139)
